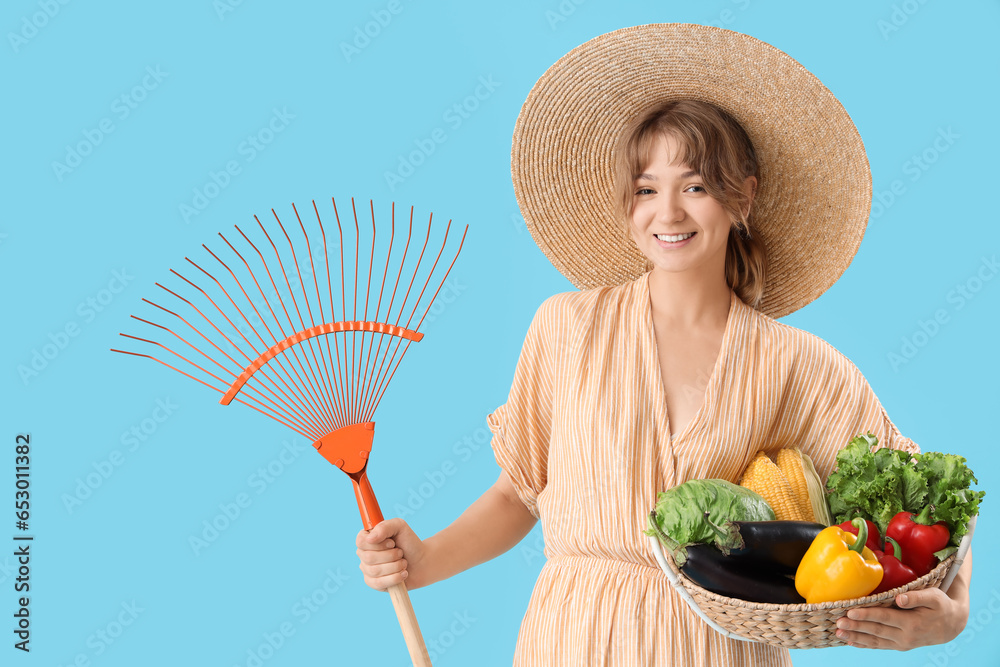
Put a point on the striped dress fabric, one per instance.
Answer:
(584, 438)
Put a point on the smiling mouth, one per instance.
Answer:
(674, 238)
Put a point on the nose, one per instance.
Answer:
(669, 207)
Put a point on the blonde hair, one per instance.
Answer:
(715, 145)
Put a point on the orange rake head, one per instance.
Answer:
(264, 328)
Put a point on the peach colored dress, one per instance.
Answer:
(584, 438)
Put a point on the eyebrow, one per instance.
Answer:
(649, 177)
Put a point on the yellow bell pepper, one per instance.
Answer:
(838, 566)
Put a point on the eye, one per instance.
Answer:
(644, 191)
(697, 188)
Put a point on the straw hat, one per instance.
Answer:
(814, 192)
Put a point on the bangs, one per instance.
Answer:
(688, 156)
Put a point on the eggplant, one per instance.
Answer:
(773, 546)
(712, 570)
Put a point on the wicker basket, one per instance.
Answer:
(792, 625)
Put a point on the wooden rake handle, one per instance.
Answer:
(408, 623)
(371, 516)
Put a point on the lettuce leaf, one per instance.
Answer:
(879, 483)
(949, 490)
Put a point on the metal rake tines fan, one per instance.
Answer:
(257, 323)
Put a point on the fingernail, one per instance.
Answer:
(902, 599)
(405, 574)
(390, 544)
(841, 634)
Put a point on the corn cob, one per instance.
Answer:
(790, 463)
(817, 490)
(765, 478)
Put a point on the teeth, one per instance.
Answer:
(675, 238)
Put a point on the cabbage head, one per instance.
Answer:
(702, 511)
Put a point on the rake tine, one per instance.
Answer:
(407, 295)
(399, 274)
(344, 387)
(371, 410)
(289, 412)
(281, 301)
(352, 400)
(323, 398)
(325, 370)
(429, 274)
(363, 377)
(366, 393)
(279, 362)
(427, 310)
(333, 316)
(311, 386)
(256, 352)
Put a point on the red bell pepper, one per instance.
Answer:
(873, 535)
(894, 572)
(919, 538)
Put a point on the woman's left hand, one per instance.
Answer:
(925, 617)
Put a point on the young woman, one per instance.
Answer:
(668, 365)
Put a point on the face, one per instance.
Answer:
(675, 223)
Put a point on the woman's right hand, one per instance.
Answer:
(391, 553)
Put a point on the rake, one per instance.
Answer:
(258, 326)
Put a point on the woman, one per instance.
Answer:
(743, 199)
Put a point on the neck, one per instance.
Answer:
(684, 300)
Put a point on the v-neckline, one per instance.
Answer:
(714, 378)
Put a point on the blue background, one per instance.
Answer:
(905, 71)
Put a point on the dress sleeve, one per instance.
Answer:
(522, 426)
(844, 405)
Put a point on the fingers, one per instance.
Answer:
(932, 598)
(380, 537)
(880, 615)
(370, 543)
(383, 575)
(929, 598)
(868, 633)
(384, 568)
(373, 557)
(382, 562)
(383, 583)
(924, 620)
(866, 640)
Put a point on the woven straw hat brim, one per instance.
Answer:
(814, 192)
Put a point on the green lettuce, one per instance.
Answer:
(701, 511)
(879, 483)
